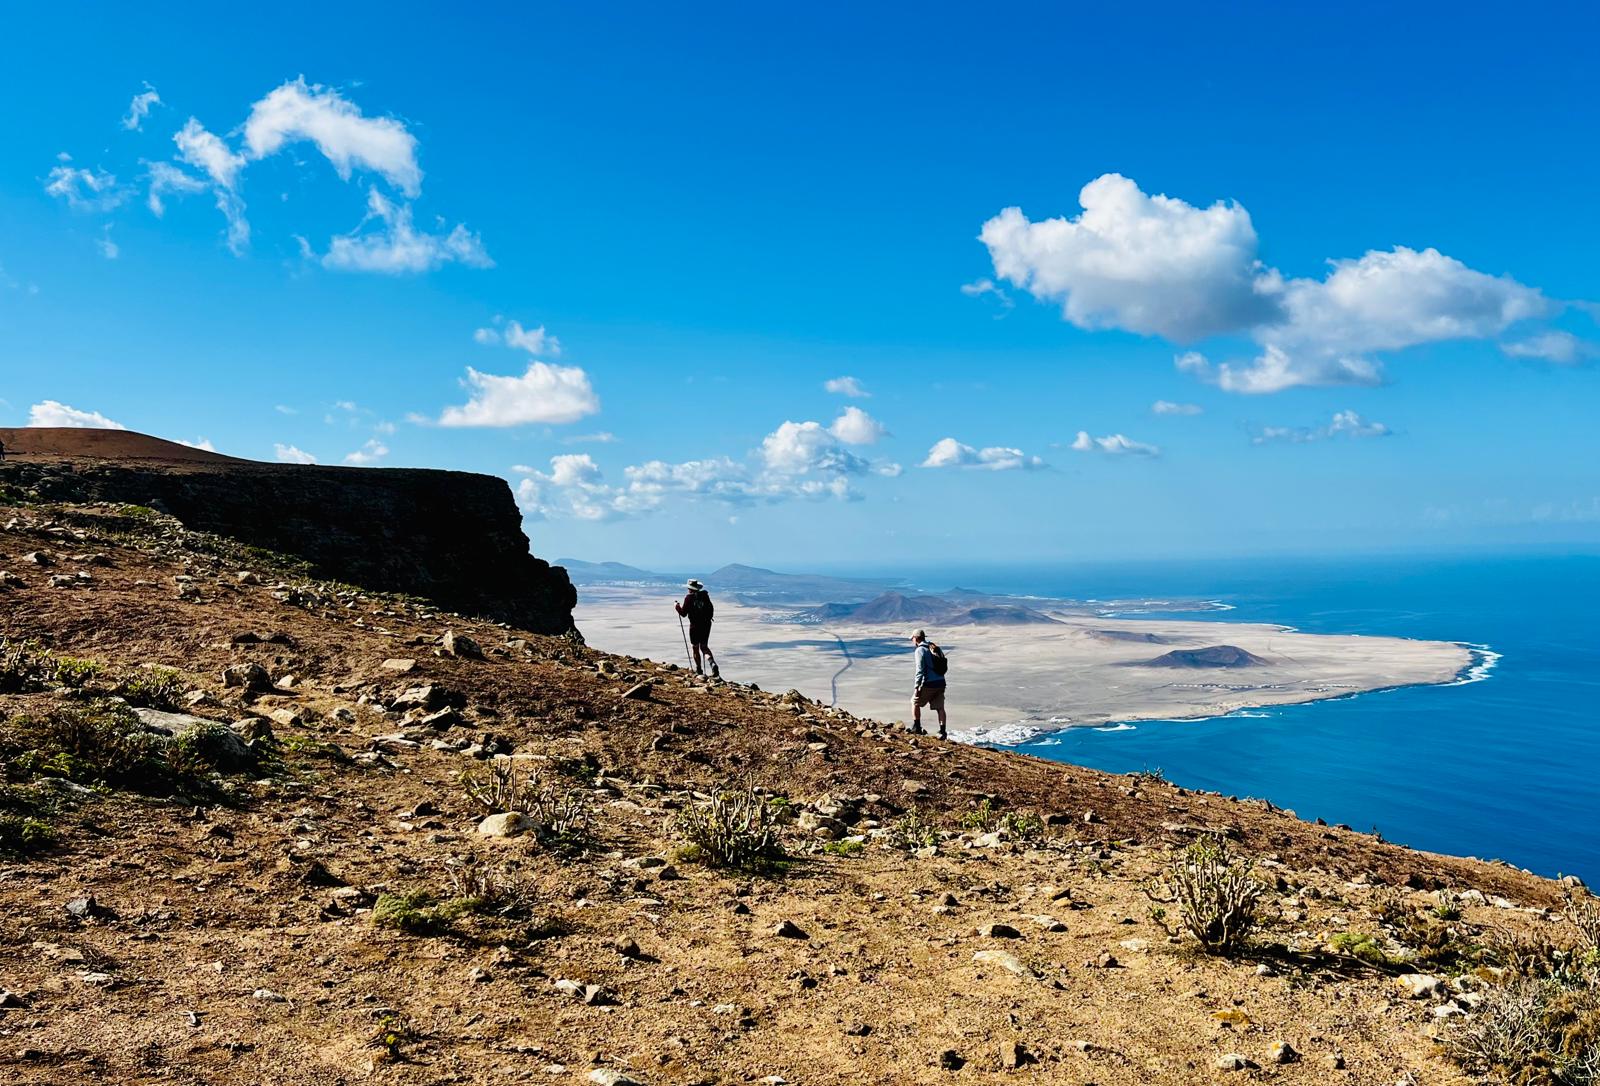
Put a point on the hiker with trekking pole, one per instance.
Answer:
(696, 607)
(932, 666)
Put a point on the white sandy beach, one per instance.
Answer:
(1006, 681)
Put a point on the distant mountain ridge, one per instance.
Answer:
(897, 607)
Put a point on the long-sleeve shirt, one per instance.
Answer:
(924, 662)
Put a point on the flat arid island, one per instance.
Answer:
(1060, 665)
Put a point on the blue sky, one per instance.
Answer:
(368, 215)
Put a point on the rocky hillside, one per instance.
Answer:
(260, 828)
(449, 536)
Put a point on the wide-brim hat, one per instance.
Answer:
(694, 584)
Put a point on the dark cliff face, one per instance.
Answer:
(448, 536)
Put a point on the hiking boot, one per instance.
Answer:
(716, 673)
(942, 735)
(916, 729)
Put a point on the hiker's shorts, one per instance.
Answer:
(700, 635)
(931, 695)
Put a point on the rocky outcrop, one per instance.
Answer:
(449, 536)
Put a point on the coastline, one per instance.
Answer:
(1012, 684)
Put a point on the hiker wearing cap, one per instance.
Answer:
(931, 667)
(696, 607)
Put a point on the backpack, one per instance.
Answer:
(700, 609)
(937, 660)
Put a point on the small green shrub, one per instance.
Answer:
(418, 912)
(1532, 1032)
(1364, 946)
(842, 848)
(912, 832)
(152, 688)
(736, 829)
(560, 817)
(24, 835)
(1214, 892)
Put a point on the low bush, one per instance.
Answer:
(912, 832)
(736, 829)
(560, 816)
(419, 912)
(103, 743)
(1215, 895)
(1532, 1032)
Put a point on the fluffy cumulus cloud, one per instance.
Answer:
(387, 241)
(139, 108)
(950, 453)
(201, 443)
(845, 386)
(1562, 348)
(1113, 445)
(396, 247)
(1167, 407)
(289, 454)
(546, 393)
(370, 453)
(55, 413)
(855, 427)
(1148, 264)
(798, 461)
(1156, 265)
(1344, 424)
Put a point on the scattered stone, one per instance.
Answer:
(479, 975)
(10, 999)
(1232, 1061)
(97, 980)
(11, 580)
(1004, 960)
(1012, 1055)
(1049, 923)
(287, 717)
(87, 908)
(1232, 1017)
(999, 931)
(1283, 1052)
(267, 995)
(605, 1076)
(1418, 985)
(628, 948)
(38, 558)
(1091, 818)
(507, 824)
(460, 646)
(788, 929)
(951, 1060)
(244, 576)
(399, 665)
(251, 677)
(1334, 1061)
(1104, 961)
(913, 788)
(638, 692)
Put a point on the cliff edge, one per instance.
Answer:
(452, 537)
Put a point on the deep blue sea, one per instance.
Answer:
(1504, 768)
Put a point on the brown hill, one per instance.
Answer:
(1212, 656)
(76, 443)
(327, 909)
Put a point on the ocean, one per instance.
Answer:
(1504, 764)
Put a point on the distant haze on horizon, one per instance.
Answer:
(1135, 285)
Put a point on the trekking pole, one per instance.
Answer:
(685, 633)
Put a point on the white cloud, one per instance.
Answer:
(55, 413)
(1343, 424)
(203, 444)
(796, 448)
(206, 151)
(545, 393)
(84, 190)
(108, 248)
(139, 108)
(346, 138)
(1113, 445)
(288, 454)
(987, 287)
(285, 409)
(855, 427)
(370, 453)
(1167, 407)
(1562, 348)
(397, 248)
(165, 178)
(1147, 264)
(1159, 266)
(599, 437)
(950, 453)
(535, 341)
(845, 386)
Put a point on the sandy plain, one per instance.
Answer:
(1007, 682)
